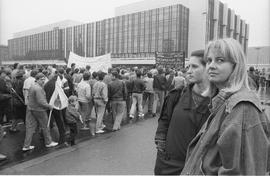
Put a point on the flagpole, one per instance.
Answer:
(49, 118)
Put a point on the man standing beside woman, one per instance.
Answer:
(183, 113)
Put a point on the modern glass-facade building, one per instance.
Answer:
(45, 45)
(137, 35)
(3, 53)
(138, 31)
(208, 20)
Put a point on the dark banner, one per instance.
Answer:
(171, 59)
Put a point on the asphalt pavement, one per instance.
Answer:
(12, 143)
(130, 150)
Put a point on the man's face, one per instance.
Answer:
(196, 70)
(41, 81)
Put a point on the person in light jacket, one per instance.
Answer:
(37, 114)
(100, 95)
(235, 138)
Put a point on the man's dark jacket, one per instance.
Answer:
(187, 121)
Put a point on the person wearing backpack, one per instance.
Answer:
(184, 111)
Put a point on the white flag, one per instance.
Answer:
(59, 99)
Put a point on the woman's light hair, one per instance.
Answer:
(232, 50)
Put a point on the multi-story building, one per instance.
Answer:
(259, 57)
(208, 20)
(3, 53)
(137, 32)
(42, 43)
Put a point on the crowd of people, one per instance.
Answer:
(210, 119)
(125, 93)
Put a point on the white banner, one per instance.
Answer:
(59, 99)
(97, 63)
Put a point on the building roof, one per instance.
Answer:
(45, 28)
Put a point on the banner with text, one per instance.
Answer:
(171, 59)
(97, 63)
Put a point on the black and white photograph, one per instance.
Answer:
(134, 87)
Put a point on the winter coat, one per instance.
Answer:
(234, 140)
(72, 114)
(175, 131)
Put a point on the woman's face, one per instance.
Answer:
(219, 68)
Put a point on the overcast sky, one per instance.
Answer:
(19, 15)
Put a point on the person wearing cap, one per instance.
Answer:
(37, 114)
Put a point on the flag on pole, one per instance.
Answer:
(59, 99)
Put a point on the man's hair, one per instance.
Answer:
(88, 67)
(34, 72)
(94, 75)
(39, 76)
(160, 69)
(149, 75)
(100, 75)
(251, 69)
(61, 71)
(68, 70)
(76, 70)
(109, 70)
(199, 54)
(82, 70)
(138, 73)
(86, 76)
(73, 64)
(115, 74)
(15, 65)
(72, 99)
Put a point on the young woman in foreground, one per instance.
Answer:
(235, 138)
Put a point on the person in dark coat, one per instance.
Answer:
(68, 76)
(57, 115)
(19, 108)
(4, 98)
(184, 112)
(159, 85)
(4, 92)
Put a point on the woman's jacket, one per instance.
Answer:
(234, 140)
